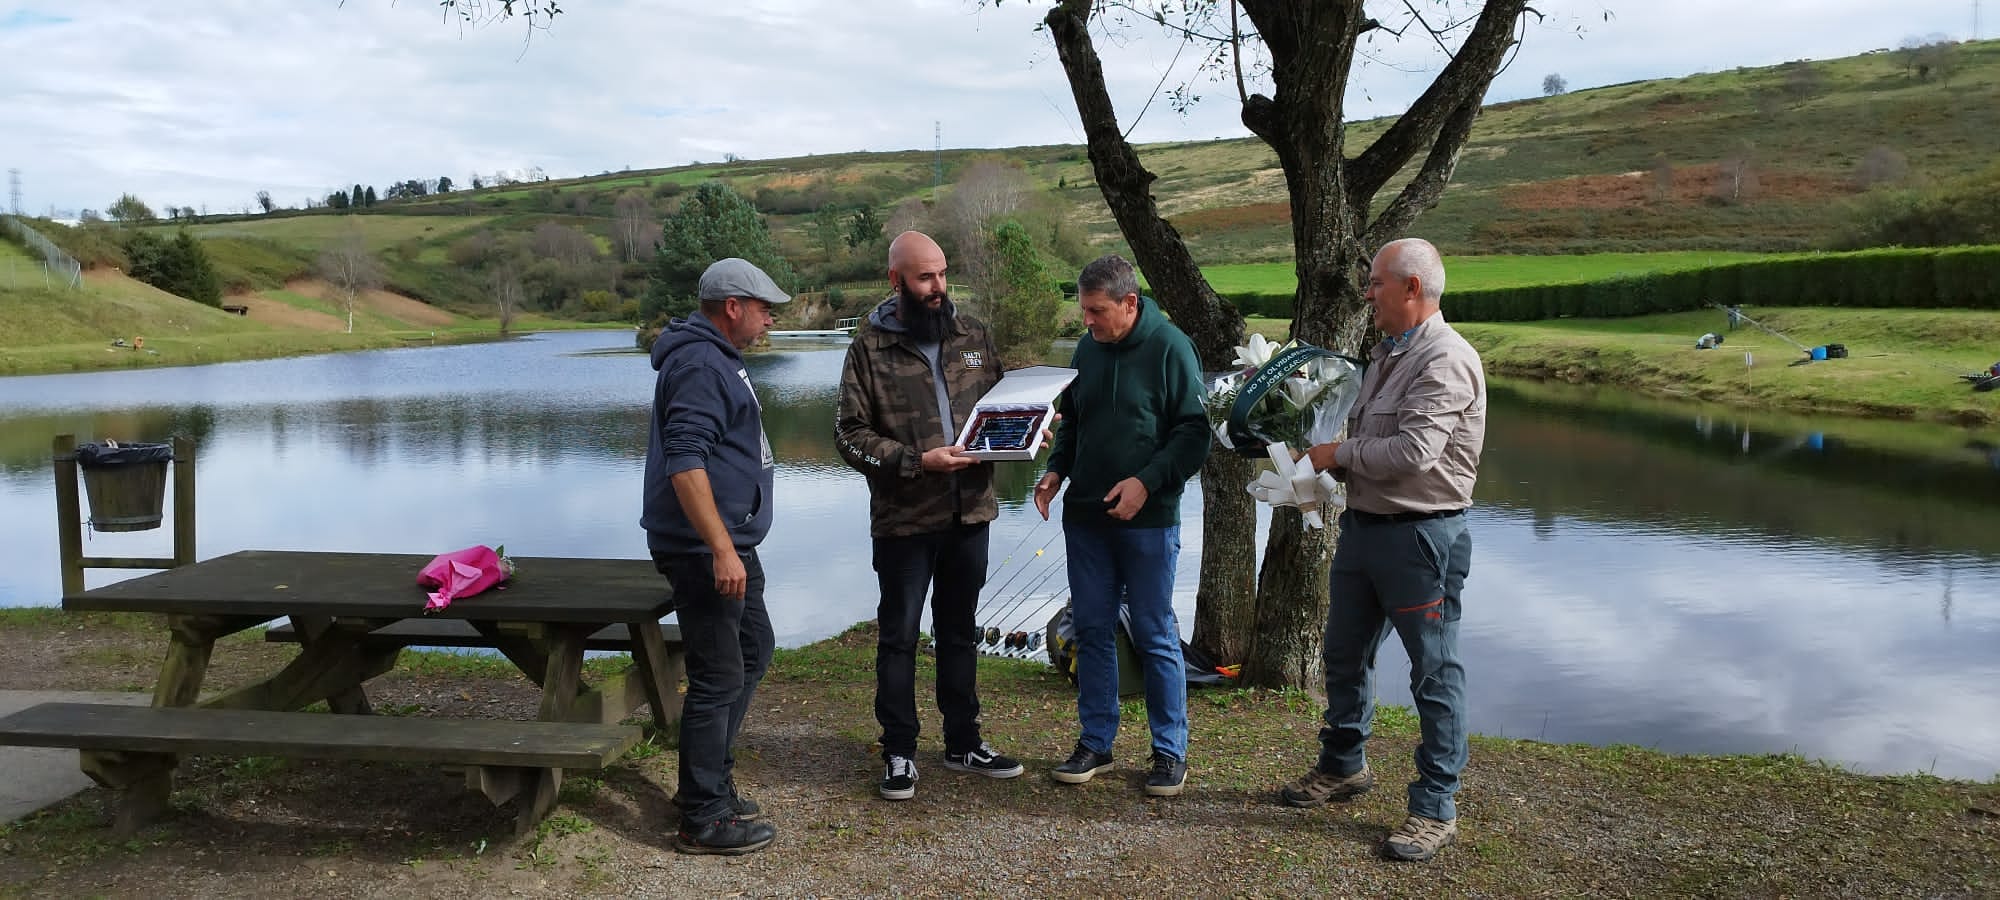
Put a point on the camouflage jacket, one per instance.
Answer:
(888, 417)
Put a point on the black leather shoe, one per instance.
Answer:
(1168, 776)
(1082, 765)
(725, 837)
(743, 807)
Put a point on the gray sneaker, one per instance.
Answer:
(1316, 788)
(1420, 838)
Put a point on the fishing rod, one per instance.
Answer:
(1739, 316)
(1040, 577)
(1046, 598)
(1039, 551)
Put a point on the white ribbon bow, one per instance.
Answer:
(1294, 483)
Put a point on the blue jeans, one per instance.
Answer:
(1406, 576)
(1137, 565)
(728, 645)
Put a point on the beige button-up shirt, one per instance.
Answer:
(1415, 433)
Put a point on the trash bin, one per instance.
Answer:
(126, 483)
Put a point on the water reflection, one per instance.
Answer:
(1658, 574)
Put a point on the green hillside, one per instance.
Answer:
(116, 322)
(1638, 167)
(1620, 179)
(42, 328)
(314, 232)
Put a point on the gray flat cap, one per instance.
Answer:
(734, 277)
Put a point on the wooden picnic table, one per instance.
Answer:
(339, 605)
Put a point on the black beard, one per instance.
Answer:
(925, 325)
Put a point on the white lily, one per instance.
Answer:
(1257, 353)
(1301, 391)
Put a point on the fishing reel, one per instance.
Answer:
(1011, 644)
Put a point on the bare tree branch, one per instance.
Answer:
(1159, 18)
(1156, 88)
(1417, 16)
(1465, 77)
(1158, 249)
(1236, 52)
(1423, 191)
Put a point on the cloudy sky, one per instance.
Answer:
(204, 103)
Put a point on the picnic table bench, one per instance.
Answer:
(353, 614)
(460, 633)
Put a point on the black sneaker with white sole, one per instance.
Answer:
(899, 778)
(1167, 777)
(984, 760)
(1083, 764)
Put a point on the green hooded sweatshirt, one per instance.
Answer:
(1134, 410)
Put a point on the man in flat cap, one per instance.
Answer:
(709, 475)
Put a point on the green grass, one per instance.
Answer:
(365, 320)
(11, 252)
(1482, 272)
(247, 264)
(68, 331)
(107, 308)
(1903, 363)
(301, 301)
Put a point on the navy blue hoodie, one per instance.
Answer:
(705, 416)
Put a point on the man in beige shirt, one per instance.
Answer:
(1410, 460)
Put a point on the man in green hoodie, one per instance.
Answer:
(1133, 432)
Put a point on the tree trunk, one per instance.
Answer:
(1291, 605)
(1302, 123)
(1225, 607)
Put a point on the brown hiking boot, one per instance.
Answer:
(1420, 838)
(1315, 787)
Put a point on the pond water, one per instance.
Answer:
(1695, 579)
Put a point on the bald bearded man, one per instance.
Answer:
(913, 375)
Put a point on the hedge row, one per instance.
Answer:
(1270, 306)
(1964, 277)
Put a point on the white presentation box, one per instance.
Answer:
(1007, 423)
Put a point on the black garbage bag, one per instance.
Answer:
(112, 453)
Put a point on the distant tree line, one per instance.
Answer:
(633, 251)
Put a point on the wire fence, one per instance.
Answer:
(57, 269)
